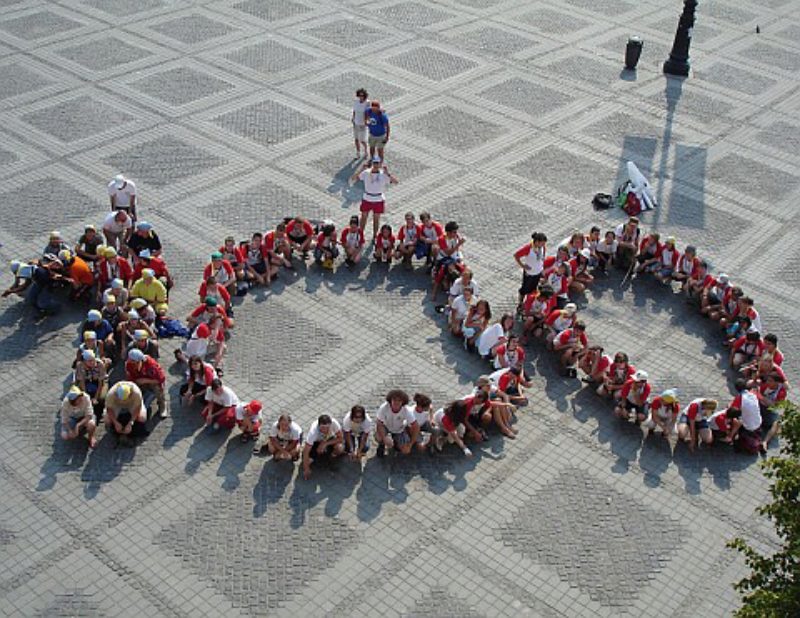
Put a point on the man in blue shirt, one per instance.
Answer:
(378, 123)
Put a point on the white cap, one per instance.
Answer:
(640, 375)
(119, 181)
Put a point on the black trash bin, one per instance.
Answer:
(633, 51)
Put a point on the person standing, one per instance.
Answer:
(359, 120)
(530, 259)
(376, 179)
(378, 123)
(122, 194)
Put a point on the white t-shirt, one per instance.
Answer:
(489, 338)
(240, 414)
(460, 307)
(294, 433)
(225, 398)
(604, 247)
(495, 376)
(111, 225)
(457, 289)
(122, 197)
(196, 347)
(315, 435)
(395, 422)
(751, 412)
(534, 260)
(358, 112)
(364, 426)
(374, 185)
(421, 417)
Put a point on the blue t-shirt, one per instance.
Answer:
(377, 122)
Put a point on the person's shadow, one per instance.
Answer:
(331, 481)
(340, 184)
(233, 463)
(271, 486)
(204, 446)
(65, 456)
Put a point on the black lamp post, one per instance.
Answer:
(678, 61)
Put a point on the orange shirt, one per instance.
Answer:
(80, 272)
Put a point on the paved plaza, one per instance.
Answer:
(507, 116)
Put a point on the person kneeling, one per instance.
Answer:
(693, 422)
(126, 416)
(77, 416)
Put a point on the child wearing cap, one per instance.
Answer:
(152, 290)
(112, 312)
(211, 287)
(111, 266)
(142, 341)
(91, 343)
(222, 271)
(248, 419)
(352, 241)
(663, 414)
(146, 312)
(633, 398)
(77, 416)
(149, 376)
(103, 330)
(667, 261)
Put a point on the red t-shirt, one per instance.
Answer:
(271, 239)
(385, 243)
(412, 234)
(352, 238)
(326, 242)
(434, 231)
(752, 348)
(158, 266)
(628, 391)
(506, 380)
(571, 335)
(221, 291)
(513, 358)
(108, 271)
(535, 305)
(305, 229)
(149, 370)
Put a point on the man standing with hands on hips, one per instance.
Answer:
(378, 124)
(530, 259)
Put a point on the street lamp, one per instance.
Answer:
(678, 61)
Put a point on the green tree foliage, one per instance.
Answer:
(773, 586)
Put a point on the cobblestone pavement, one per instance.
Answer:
(508, 115)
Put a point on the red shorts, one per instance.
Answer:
(226, 419)
(376, 207)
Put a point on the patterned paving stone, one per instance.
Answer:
(7, 157)
(272, 10)
(192, 29)
(439, 603)
(411, 15)
(181, 85)
(547, 20)
(38, 25)
(163, 160)
(37, 198)
(432, 63)
(17, 79)
(526, 96)
(772, 55)
(346, 33)
(736, 172)
(781, 135)
(610, 554)
(104, 54)
(269, 57)
(604, 7)
(552, 165)
(454, 128)
(124, 7)
(213, 549)
(75, 603)
(342, 88)
(729, 12)
(734, 78)
(267, 122)
(493, 41)
(705, 109)
(586, 70)
(77, 118)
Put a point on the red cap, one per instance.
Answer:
(254, 406)
(203, 331)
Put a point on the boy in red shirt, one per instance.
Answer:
(148, 375)
(536, 308)
(300, 234)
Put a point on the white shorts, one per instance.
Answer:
(360, 132)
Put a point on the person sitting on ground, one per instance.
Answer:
(430, 232)
(663, 414)
(102, 329)
(91, 343)
(687, 264)
(143, 342)
(536, 308)
(325, 249)
(747, 308)
(483, 410)
(712, 297)
(125, 415)
(157, 264)
(627, 236)
(633, 398)
(23, 276)
(78, 272)
(357, 426)
(384, 244)
(510, 389)
(77, 416)
(722, 424)
(569, 344)
(45, 276)
(772, 391)
(199, 377)
(475, 323)
(747, 426)
(204, 313)
(746, 349)
(741, 325)
(449, 424)
(55, 244)
(592, 240)
(693, 422)
(511, 354)
(112, 312)
(110, 267)
(197, 345)
(667, 261)
(560, 320)
(146, 312)
(396, 426)
(422, 409)
(457, 288)
(699, 282)
(126, 332)
(650, 248)
(120, 293)
(484, 383)
(573, 244)
(766, 366)
(771, 348)
(594, 364)
(581, 277)
(495, 336)
(559, 279)
(618, 374)
(300, 234)
(91, 377)
(279, 250)
(152, 290)
(606, 251)
(88, 244)
(459, 309)
(408, 237)
(223, 273)
(248, 419)
(323, 442)
(257, 268)
(149, 376)
(232, 254)
(284, 439)
(352, 241)
(730, 307)
(220, 409)
(479, 414)
(209, 288)
(449, 260)
(143, 238)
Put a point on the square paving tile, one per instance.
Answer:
(432, 63)
(735, 78)
(181, 85)
(104, 54)
(782, 136)
(492, 40)
(191, 29)
(16, 80)
(124, 7)
(411, 15)
(163, 160)
(346, 33)
(752, 177)
(38, 25)
(552, 166)
(604, 7)
(342, 88)
(772, 55)
(77, 118)
(454, 128)
(549, 21)
(267, 122)
(526, 96)
(269, 57)
(272, 10)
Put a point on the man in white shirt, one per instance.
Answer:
(376, 179)
(117, 229)
(324, 441)
(220, 408)
(396, 424)
(360, 106)
(122, 193)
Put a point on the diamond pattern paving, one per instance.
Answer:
(77, 118)
(346, 33)
(267, 122)
(104, 54)
(552, 166)
(525, 96)
(16, 79)
(38, 25)
(411, 15)
(455, 129)
(181, 85)
(192, 29)
(735, 172)
(627, 547)
(438, 603)
(124, 7)
(493, 41)
(269, 57)
(342, 88)
(432, 63)
(272, 10)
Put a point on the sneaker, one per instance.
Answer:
(381, 450)
(164, 413)
(438, 442)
